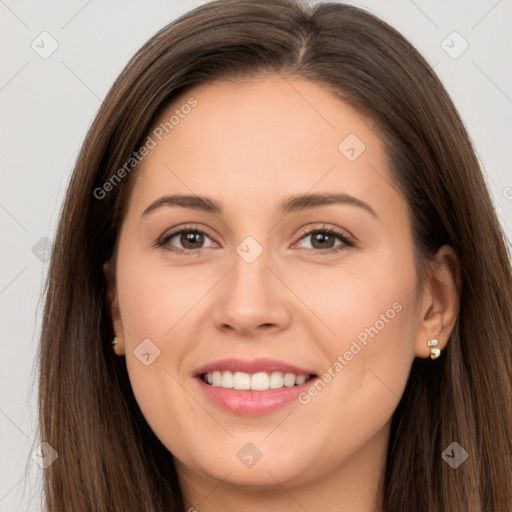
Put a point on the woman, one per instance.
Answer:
(278, 281)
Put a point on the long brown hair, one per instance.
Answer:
(109, 459)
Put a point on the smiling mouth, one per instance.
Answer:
(260, 381)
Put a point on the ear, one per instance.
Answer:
(440, 301)
(113, 306)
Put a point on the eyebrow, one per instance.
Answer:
(291, 204)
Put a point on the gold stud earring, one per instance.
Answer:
(434, 352)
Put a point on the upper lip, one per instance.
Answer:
(252, 366)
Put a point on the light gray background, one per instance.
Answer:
(46, 106)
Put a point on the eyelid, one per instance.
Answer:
(325, 227)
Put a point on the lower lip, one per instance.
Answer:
(252, 403)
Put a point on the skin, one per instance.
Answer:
(250, 145)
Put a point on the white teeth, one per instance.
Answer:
(300, 379)
(260, 381)
(227, 380)
(241, 380)
(289, 380)
(276, 380)
(216, 378)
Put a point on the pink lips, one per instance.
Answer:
(254, 366)
(250, 402)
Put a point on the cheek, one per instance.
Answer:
(153, 301)
(367, 365)
(153, 298)
(369, 300)
(370, 312)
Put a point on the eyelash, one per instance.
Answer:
(346, 240)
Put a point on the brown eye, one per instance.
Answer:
(322, 240)
(327, 241)
(191, 239)
(187, 240)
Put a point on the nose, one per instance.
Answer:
(251, 300)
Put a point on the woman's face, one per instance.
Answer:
(256, 289)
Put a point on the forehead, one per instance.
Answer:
(281, 115)
(260, 139)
